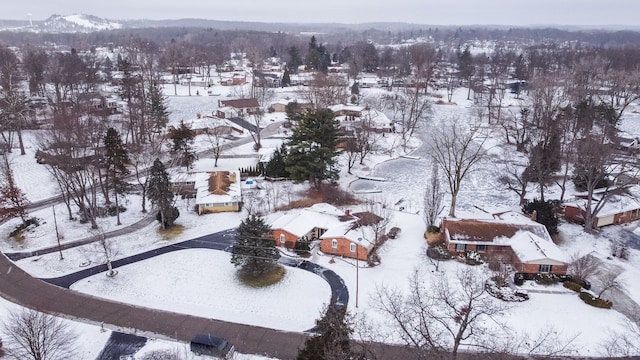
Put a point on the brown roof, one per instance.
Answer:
(241, 103)
(478, 230)
(219, 182)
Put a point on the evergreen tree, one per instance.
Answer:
(332, 341)
(545, 214)
(157, 108)
(312, 148)
(116, 161)
(276, 167)
(253, 251)
(286, 78)
(295, 60)
(182, 139)
(160, 194)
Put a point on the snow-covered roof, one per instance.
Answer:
(533, 249)
(362, 235)
(616, 204)
(343, 107)
(529, 240)
(217, 187)
(300, 222)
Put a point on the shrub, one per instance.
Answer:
(438, 252)
(432, 229)
(595, 301)
(572, 286)
(302, 248)
(547, 279)
(111, 209)
(518, 279)
(472, 258)
(30, 221)
(504, 293)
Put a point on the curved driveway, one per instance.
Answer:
(53, 296)
(222, 240)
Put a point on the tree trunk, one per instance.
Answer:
(20, 142)
(117, 211)
(452, 209)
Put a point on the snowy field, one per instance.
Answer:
(170, 282)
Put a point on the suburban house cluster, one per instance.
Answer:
(510, 238)
(340, 232)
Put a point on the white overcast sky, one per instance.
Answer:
(431, 12)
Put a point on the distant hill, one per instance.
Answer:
(75, 23)
(83, 23)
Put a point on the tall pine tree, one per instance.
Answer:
(181, 147)
(157, 108)
(160, 194)
(312, 149)
(116, 161)
(254, 251)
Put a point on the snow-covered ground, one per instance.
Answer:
(172, 283)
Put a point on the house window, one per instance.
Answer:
(352, 247)
(481, 248)
(334, 243)
(461, 247)
(544, 268)
(281, 239)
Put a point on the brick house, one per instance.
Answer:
(524, 244)
(618, 209)
(237, 107)
(340, 232)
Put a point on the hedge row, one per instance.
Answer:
(595, 301)
(572, 286)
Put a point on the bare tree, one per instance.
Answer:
(216, 140)
(13, 201)
(443, 315)
(624, 343)
(455, 150)
(326, 90)
(609, 280)
(410, 108)
(69, 151)
(107, 248)
(596, 172)
(513, 177)
(583, 267)
(34, 335)
(433, 196)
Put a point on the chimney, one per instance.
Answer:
(534, 215)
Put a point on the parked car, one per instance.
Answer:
(207, 344)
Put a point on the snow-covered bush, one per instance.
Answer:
(505, 293)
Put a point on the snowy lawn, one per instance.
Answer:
(203, 283)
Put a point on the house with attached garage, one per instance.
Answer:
(217, 191)
(237, 108)
(618, 208)
(340, 233)
(515, 240)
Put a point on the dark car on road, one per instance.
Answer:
(207, 344)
